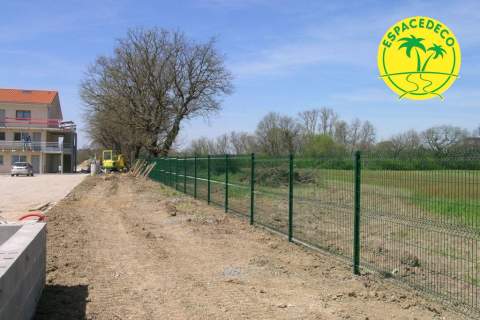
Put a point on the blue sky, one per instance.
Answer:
(286, 56)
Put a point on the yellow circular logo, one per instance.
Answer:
(419, 58)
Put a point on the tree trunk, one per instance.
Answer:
(137, 151)
(154, 152)
(171, 136)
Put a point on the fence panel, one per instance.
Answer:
(419, 223)
(421, 226)
(323, 204)
(271, 193)
(189, 170)
(156, 172)
(239, 176)
(202, 178)
(217, 180)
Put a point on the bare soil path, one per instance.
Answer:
(120, 248)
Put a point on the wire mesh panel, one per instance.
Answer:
(178, 174)
(421, 226)
(239, 176)
(323, 203)
(271, 192)
(202, 178)
(155, 174)
(189, 171)
(168, 174)
(172, 168)
(217, 180)
(163, 170)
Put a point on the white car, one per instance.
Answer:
(22, 168)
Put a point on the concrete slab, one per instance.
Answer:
(22, 269)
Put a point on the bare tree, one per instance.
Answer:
(242, 142)
(200, 146)
(407, 141)
(354, 133)
(155, 80)
(105, 129)
(309, 121)
(441, 138)
(328, 117)
(278, 134)
(367, 135)
(341, 132)
(222, 145)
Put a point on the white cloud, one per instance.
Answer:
(352, 39)
(286, 57)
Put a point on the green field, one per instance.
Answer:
(452, 194)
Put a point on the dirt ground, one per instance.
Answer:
(19, 194)
(121, 248)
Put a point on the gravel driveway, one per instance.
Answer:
(22, 193)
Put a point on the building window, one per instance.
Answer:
(1, 160)
(23, 115)
(17, 158)
(2, 136)
(20, 136)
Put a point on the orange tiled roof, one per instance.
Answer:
(27, 96)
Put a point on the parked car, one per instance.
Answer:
(22, 168)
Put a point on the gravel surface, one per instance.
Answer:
(19, 194)
(125, 248)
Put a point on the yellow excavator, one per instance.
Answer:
(111, 161)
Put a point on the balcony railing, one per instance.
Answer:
(9, 122)
(23, 146)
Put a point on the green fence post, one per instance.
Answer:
(356, 221)
(185, 175)
(290, 199)
(252, 189)
(208, 179)
(195, 178)
(226, 182)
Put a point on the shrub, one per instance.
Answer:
(279, 176)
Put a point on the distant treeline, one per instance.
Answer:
(320, 135)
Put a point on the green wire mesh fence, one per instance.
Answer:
(403, 218)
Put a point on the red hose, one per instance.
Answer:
(38, 214)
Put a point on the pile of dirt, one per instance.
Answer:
(279, 176)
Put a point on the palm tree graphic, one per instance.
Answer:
(438, 51)
(416, 44)
(413, 43)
